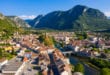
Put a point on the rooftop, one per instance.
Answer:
(13, 65)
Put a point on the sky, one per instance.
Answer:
(29, 9)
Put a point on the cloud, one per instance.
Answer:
(107, 14)
(27, 16)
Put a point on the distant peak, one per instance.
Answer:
(38, 17)
(79, 6)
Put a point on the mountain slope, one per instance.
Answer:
(7, 27)
(35, 21)
(19, 21)
(78, 18)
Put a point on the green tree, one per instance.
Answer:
(39, 73)
(1, 53)
(41, 38)
(79, 68)
(72, 67)
(47, 40)
(85, 35)
(105, 71)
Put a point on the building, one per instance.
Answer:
(13, 67)
(77, 73)
(3, 61)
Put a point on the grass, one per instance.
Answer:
(93, 66)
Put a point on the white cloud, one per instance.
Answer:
(107, 13)
(27, 17)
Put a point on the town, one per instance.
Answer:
(54, 53)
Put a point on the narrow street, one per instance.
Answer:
(53, 66)
(28, 70)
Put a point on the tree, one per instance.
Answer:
(41, 38)
(47, 40)
(72, 67)
(39, 73)
(79, 68)
(105, 71)
(1, 53)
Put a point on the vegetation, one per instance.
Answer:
(1, 53)
(72, 67)
(100, 63)
(5, 54)
(27, 50)
(47, 40)
(7, 28)
(105, 71)
(73, 19)
(79, 68)
(39, 73)
(81, 35)
(107, 50)
(19, 21)
(93, 66)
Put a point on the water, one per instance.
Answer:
(88, 70)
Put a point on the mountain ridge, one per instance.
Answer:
(20, 22)
(77, 18)
(7, 27)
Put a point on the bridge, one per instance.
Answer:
(67, 52)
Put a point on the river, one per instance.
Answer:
(88, 70)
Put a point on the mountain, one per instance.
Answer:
(19, 21)
(108, 17)
(7, 27)
(78, 18)
(35, 21)
(28, 20)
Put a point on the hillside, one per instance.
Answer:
(78, 18)
(19, 21)
(7, 27)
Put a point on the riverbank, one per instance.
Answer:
(88, 69)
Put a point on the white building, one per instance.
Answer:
(76, 49)
(77, 73)
(64, 73)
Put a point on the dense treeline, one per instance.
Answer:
(104, 65)
(100, 63)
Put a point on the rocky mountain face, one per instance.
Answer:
(19, 21)
(78, 18)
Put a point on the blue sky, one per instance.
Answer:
(32, 8)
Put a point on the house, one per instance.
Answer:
(3, 61)
(77, 73)
(67, 40)
(64, 73)
(61, 63)
(76, 48)
(13, 67)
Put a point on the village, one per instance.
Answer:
(26, 55)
